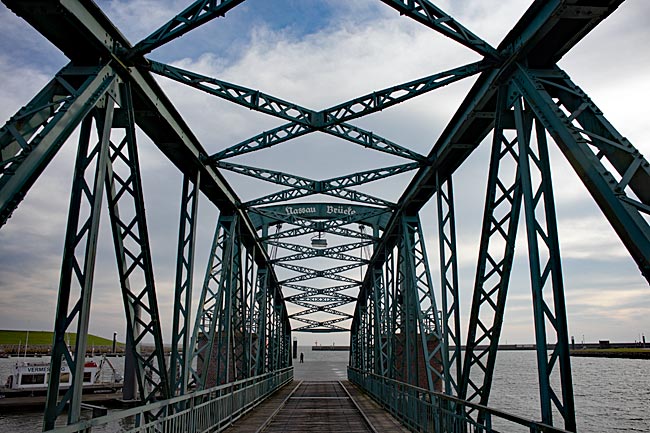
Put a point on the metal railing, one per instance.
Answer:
(424, 411)
(210, 410)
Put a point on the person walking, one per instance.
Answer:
(302, 357)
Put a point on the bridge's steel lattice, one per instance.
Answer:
(241, 328)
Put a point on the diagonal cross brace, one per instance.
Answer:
(315, 251)
(425, 12)
(341, 231)
(300, 186)
(303, 120)
(319, 273)
(344, 193)
(33, 136)
(193, 16)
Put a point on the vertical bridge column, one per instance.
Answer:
(179, 367)
(519, 170)
(78, 268)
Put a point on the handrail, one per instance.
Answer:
(424, 410)
(211, 409)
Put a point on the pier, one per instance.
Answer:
(333, 236)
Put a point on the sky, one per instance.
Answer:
(318, 53)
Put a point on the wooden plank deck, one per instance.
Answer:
(315, 407)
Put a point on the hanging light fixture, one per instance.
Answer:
(319, 241)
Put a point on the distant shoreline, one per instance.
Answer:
(627, 353)
(37, 350)
(616, 352)
(331, 348)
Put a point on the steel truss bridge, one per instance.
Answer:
(238, 337)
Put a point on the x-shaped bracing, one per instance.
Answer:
(309, 252)
(302, 187)
(331, 120)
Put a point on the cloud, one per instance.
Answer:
(358, 47)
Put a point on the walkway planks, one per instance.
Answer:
(317, 407)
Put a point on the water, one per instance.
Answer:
(610, 394)
(31, 419)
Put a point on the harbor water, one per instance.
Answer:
(611, 395)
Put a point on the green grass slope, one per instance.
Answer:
(8, 337)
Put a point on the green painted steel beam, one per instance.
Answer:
(545, 33)
(33, 136)
(591, 144)
(549, 306)
(304, 253)
(331, 120)
(85, 34)
(319, 252)
(77, 269)
(317, 120)
(433, 17)
(302, 187)
(127, 214)
(317, 299)
(179, 368)
(198, 13)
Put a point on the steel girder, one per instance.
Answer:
(393, 297)
(591, 144)
(449, 283)
(78, 264)
(318, 186)
(414, 344)
(238, 309)
(421, 301)
(370, 336)
(321, 120)
(116, 166)
(31, 138)
(341, 231)
(308, 252)
(382, 293)
(331, 120)
(213, 303)
(198, 13)
(527, 55)
(245, 320)
(344, 193)
(496, 253)
(519, 170)
(179, 369)
(260, 318)
(380, 303)
(545, 271)
(133, 254)
(302, 187)
(431, 16)
(290, 131)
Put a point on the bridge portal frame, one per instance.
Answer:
(521, 73)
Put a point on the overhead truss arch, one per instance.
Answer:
(324, 254)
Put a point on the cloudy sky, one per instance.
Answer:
(318, 53)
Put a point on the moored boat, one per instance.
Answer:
(30, 379)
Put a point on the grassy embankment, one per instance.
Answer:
(625, 352)
(41, 342)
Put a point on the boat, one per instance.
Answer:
(30, 379)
